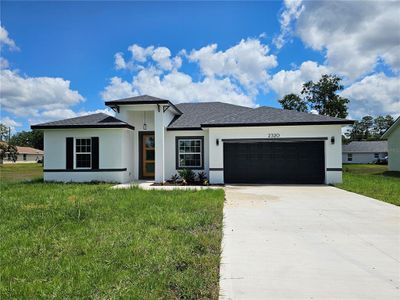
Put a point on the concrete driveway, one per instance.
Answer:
(308, 242)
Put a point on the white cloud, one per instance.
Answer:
(248, 62)
(355, 35)
(235, 75)
(142, 57)
(10, 123)
(376, 94)
(292, 10)
(178, 87)
(34, 96)
(291, 81)
(118, 89)
(6, 40)
(120, 61)
(3, 63)
(140, 54)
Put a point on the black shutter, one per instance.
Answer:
(95, 153)
(70, 153)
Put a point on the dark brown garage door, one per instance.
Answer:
(274, 162)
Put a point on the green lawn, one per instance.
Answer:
(372, 181)
(20, 172)
(89, 241)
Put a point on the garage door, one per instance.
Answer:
(274, 162)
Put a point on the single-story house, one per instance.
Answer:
(393, 138)
(152, 138)
(364, 152)
(25, 155)
(29, 154)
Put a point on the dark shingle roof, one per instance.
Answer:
(143, 99)
(99, 120)
(216, 114)
(195, 114)
(366, 146)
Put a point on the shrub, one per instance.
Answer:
(202, 178)
(187, 175)
(174, 179)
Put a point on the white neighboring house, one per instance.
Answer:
(364, 152)
(151, 138)
(393, 138)
(26, 155)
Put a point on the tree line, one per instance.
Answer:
(8, 143)
(322, 97)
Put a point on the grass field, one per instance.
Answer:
(20, 172)
(89, 241)
(373, 181)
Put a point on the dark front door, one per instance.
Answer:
(274, 162)
(147, 155)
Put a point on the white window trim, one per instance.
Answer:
(182, 139)
(75, 153)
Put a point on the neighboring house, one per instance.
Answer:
(151, 138)
(364, 152)
(26, 155)
(393, 138)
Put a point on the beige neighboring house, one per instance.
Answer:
(26, 155)
(392, 135)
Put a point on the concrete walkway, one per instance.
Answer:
(308, 242)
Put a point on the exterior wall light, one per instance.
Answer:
(332, 140)
(217, 142)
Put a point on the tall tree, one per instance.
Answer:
(322, 96)
(381, 124)
(32, 139)
(369, 128)
(4, 132)
(366, 124)
(8, 150)
(293, 102)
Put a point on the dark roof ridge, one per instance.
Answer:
(95, 120)
(300, 112)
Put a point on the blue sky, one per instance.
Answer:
(264, 50)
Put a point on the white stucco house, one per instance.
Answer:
(364, 152)
(151, 138)
(393, 138)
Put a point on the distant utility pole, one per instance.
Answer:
(9, 134)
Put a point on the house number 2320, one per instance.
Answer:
(273, 135)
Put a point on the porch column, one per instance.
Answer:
(159, 175)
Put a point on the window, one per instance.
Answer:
(349, 156)
(189, 152)
(376, 155)
(24, 156)
(83, 153)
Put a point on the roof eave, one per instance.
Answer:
(43, 127)
(347, 122)
(183, 128)
(391, 129)
(116, 103)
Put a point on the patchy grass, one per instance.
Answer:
(20, 172)
(372, 181)
(70, 241)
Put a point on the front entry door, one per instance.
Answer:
(148, 155)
